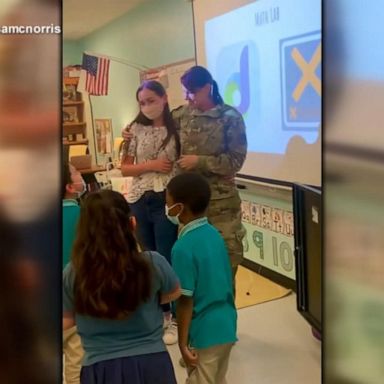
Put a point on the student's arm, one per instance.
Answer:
(185, 268)
(129, 147)
(128, 168)
(68, 320)
(170, 286)
(68, 312)
(170, 296)
(184, 309)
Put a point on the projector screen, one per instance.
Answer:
(266, 58)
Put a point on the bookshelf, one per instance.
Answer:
(74, 123)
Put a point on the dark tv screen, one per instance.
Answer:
(307, 211)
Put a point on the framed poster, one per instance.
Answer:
(103, 140)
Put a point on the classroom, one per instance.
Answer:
(238, 86)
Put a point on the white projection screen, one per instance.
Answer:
(266, 58)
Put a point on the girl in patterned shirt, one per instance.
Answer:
(150, 157)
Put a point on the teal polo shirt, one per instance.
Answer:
(141, 333)
(200, 260)
(71, 213)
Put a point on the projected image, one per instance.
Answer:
(266, 57)
(300, 82)
(235, 78)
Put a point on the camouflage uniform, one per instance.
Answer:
(218, 137)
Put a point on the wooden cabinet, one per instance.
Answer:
(74, 123)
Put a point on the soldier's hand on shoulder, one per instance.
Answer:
(127, 135)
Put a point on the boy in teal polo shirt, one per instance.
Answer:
(72, 188)
(205, 312)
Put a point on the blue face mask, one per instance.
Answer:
(173, 219)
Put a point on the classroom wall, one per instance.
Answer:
(72, 53)
(153, 34)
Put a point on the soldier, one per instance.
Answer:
(214, 144)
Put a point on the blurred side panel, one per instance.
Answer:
(354, 191)
(30, 245)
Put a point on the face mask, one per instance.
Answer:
(173, 219)
(83, 190)
(153, 111)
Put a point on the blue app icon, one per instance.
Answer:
(236, 71)
(238, 83)
(301, 82)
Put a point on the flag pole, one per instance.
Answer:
(138, 67)
(93, 127)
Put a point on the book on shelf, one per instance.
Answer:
(70, 114)
(70, 93)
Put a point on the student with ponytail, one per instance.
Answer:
(150, 155)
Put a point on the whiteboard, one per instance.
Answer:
(169, 76)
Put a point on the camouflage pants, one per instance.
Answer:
(225, 215)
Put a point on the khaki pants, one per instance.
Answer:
(73, 355)
(212, 365)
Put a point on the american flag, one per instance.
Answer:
(97, 73)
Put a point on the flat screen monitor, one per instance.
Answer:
(307, 211)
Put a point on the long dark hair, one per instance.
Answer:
(111, 276)
(157, 88)
(197, 77)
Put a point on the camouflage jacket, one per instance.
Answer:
(218, 137)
